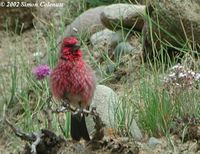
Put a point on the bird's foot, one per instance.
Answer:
(66, 105)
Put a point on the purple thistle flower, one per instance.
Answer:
(41, 71)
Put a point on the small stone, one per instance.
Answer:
(121, 49)
(153, 142)
(135, 131)
(110, 68)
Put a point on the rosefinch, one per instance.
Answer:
(73, 80)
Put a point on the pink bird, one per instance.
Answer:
(73, 80)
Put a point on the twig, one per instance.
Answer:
(24, 136)
(66, 107)
(36, 142)
(31, 137)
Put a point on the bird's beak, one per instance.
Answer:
(75, 47)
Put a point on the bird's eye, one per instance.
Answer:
(69, 45)
(75, 47)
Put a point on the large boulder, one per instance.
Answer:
(127, 15)
(105, 100)
(173, 23)
(88, 22)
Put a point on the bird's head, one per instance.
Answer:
(70, 49)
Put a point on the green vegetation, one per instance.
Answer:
(24, 99)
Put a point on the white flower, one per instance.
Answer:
(176, 66)
(182, 75)
(37, 54)
(197, 76)
(172, 75)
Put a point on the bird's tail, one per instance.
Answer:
(79, 128)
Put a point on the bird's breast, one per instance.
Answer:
(76, 81)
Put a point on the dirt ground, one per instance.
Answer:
(170, 145)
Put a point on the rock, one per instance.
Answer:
(105, 100)
(127, 15)
(87, 23)
(121, 49)
(15, 18)
(144, 2)
(105, 39)
(153, 142)
(119, 36)
(135, 131)
(175, 23)
(110, 68)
